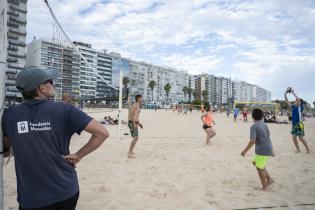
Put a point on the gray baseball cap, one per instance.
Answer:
(31, 77)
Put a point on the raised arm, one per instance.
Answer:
(287, 100)
(297, 98)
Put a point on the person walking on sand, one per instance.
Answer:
(208, 123)
(260, 136)
(39, 131)
(228, 112)
(133, 123)
(235, 113)
(297, 124)
(245, 113)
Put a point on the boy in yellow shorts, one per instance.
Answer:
(260, 136)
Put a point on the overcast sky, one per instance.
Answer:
(268, 43)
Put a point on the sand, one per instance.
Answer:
(174, 169)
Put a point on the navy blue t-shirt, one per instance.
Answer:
(40, 133)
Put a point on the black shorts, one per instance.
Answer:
(206, 126)
(68, 204)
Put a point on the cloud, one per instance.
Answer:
(261, 41)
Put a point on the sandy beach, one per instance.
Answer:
(174, 169)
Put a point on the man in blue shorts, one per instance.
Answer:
(297, 124)
(235, 112)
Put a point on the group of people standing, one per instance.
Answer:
(39, 132)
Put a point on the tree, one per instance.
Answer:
(189, 91)
(66, 97)
(185, 89)
(126, 81)
(314, 103)
(152, 84)
(167, 89)
(205, 95)
(195, 94)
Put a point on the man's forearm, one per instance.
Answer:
(285, 96)
(93, 144)
(296, 96)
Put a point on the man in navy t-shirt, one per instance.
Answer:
(297, 124)
(39, 132)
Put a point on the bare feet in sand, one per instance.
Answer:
(131, 155)
(269, 182)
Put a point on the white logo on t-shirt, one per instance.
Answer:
(22, 127)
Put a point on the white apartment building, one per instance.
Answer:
(46, 53)
(16, 36)
(104, 68)
(142, 73)
(236, 91)
(88, 79)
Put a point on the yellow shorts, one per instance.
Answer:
(260, 161)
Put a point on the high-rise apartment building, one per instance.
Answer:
(104, 68)
(3, 42)
(142, 73)
(46, 53)
(16, 52)
(88, 79)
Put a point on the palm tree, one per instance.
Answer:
(185, 89)
(205, 95)
(189, 91)
(152, 84)
(167, 89)
(126, 81)
(195, 94)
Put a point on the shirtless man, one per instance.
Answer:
(133, 123)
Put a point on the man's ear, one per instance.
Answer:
(41, 88)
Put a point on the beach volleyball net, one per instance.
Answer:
(265, 106)
(70, 94)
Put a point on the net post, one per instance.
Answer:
(121, 74)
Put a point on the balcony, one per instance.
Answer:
(11, 24)
(16, 66)
(18, 43)
(9, 82)
(17, 55)
(11, 71)
(17, 31)
(12, 13)
(15, 2)
(13, 36)
(13, 48)
(11, 77)
(19, 20)
(12, 60)
(18, 9)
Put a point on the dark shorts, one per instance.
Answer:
(298, 129)
(133, 130)
(206, 126)
(235, 116)
(68, 204)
